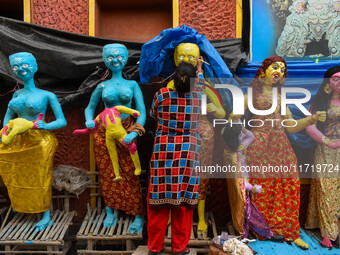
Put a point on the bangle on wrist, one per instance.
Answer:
(326, 140)
(199, 71)
(313, 121)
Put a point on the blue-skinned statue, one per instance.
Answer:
(26, 159)
(125, 195)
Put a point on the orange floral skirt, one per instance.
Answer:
(125, 195)
(279, 202)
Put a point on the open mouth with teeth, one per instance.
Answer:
(276, 77)
(23, 73)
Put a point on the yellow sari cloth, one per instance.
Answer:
(26, 167)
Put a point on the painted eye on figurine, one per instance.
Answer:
(24, 65)
(191, 58)
(336, 79)
(283, 69)
(109, 59)
(15, 68)
(275, 67)
(181, 58)
(119, 58)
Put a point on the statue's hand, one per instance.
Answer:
(129, 138)
(41, 125)
(211, 108)
(90, 124)
(334, 145)
(257, 189)
(199, 62)
(248, 186)
(320, 116)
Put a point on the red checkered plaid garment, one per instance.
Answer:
(174, 181)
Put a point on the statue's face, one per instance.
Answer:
(186, 52)
(335, 83)
(275, 72)
(115, 56)
(23, 65)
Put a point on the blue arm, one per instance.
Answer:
(140, 106)
(60, 121)
(89, 111)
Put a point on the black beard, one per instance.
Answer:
(186, 71)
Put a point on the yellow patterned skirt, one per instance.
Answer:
(324, 199)
(26, 167)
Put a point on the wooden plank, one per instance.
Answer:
(2, 210)
(17, 227)
(27, 228)
(99, 223)
(35, 243)
(66, 247)
(109, 238)
(112, 229)
(84, 223)
(60, 226)
(31, 252)
(125, 225)
(213, 224)
(90, 222)
(104, 252)
(103, 231)
(67, 225)
(23, 226)
(94, 224)
(17, 217)
(119, 226)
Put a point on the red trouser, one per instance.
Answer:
(181, 224)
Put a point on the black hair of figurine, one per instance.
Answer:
(322, 100)
(230, 134)
(183, 74)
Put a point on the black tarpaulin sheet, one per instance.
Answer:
(70, 65)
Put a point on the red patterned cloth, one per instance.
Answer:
(279, 202)
(125, 195)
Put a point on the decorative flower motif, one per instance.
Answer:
(336, 6)
(299, 6)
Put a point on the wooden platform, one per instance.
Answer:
(201, 242)
(18, 236)
(92, 230)
(143, 250)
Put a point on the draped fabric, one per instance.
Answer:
(26, 167)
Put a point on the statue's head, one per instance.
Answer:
(186, 52)
(115, 56)
(24, 65)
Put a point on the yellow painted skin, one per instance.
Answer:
(115, 131)
(189, 52)
(15, 127)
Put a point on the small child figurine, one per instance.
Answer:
(111, 119)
